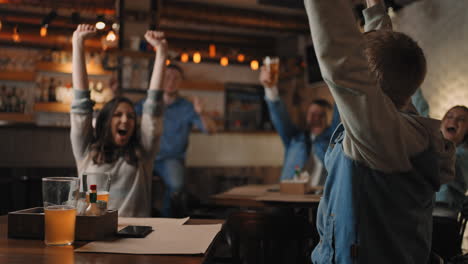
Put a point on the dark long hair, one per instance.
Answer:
(103, 149)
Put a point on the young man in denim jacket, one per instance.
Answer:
(384, 164)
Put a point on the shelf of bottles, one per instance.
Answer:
(34, 81)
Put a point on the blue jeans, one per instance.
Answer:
(172, 173)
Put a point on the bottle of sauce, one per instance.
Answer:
(93, 209)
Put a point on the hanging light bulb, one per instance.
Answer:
(111, 36)
(100, 24)
(15, 36)
(224, 61)
(254, 65)
(212, 50)
(43, 31)
(196, 57)
(240, 57)
(168, 61)
(184, 57)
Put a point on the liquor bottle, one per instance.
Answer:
(14, 101)
(93, 209)
(52, 91)
(3, 99)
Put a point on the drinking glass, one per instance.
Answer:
(60, 195)
(272, 63)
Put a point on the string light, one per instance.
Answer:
(212, 50)
(0, 25)
(168, 61)
(15, 36)
(111, 36)
(240, 57)
(196, 57)
(100, 25)
(224, 61)
(254, 65)
(43, 31)
(184, 57)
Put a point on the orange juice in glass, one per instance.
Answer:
(102, 180)
(101, 196)
(60, 195)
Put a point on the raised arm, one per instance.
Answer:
(278, 113)
(81, 131)
(376, 133)
(151, 120)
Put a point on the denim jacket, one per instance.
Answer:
(367, 216)
(297, 143)
(383, 165)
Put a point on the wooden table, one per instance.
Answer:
(35, 251)
(264, 196)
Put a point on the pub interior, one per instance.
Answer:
(250, 194)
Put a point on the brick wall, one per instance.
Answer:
(441, 29)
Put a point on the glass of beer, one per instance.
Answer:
(60, 195)
(272, 63)
(102, 180)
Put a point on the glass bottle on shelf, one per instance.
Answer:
(14, 101)
(3, 98)
(51, 89)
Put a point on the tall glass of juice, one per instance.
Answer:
(60, 195)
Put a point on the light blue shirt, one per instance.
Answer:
(179, 118)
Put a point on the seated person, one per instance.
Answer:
(180, 115)
(304, 148)
(119, 144)
(449, 199)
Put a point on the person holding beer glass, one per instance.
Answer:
(118, 144)
(304, 148)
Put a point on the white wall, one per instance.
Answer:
(441, 29)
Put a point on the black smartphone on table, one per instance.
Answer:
(135, 231)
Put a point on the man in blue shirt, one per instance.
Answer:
(299, 143)
(179, 117)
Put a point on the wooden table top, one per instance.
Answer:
(262, 195)
(35, 251)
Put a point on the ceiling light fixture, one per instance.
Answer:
(212, 50)
(254, 65)
(100, 24)
(196, 57)
(240, 57)
(43, 31)
(111, 36)
(16, 36)
(224, 61)
(184, 57)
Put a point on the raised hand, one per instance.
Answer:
(82, 32)
(157, 40)
(265, 77)
(198, 105)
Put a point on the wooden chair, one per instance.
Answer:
(259, 237)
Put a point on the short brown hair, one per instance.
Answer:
(397, 62)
